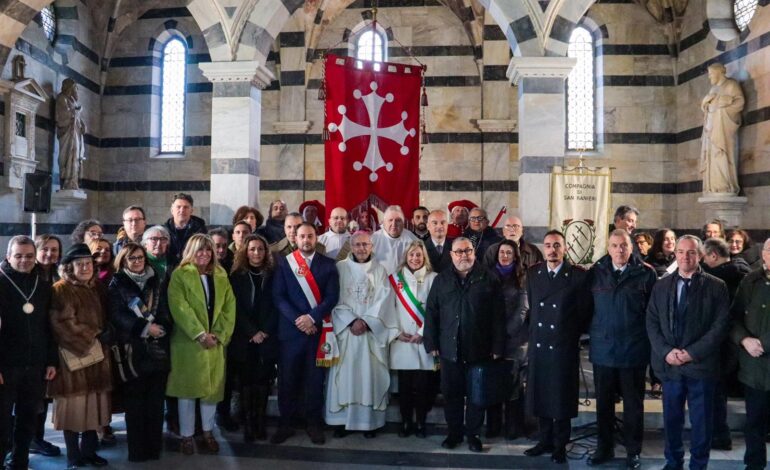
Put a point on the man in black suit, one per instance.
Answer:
(560, 308)
(437, 244)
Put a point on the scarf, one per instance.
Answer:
(160, 265)
(140, 278)
(505, 271)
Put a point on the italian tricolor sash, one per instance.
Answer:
(328, 353)
(407, 299)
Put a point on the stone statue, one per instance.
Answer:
(722, 117)
(70, 129)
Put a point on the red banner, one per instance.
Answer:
(373, 121)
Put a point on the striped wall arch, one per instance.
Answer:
(560, 19)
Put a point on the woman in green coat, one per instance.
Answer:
(203, 308)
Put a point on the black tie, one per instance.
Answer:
(552, 274)
(617, 274)
(439, 248)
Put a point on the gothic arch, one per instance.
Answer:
(561, 17)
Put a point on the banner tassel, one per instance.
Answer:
(325, 135)
(424, 98)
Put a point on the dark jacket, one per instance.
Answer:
(272, 230)
(559, 312)
(439, 261)
(752, 255)
(732, 272)
(178, 239)
(618, 327)
(129, 327)
(705, 328)
(482, 240)
(516, 312)
(471, 310)
(25, 339)
(750, 314)
(254, 312)
(530, 254)
(660, 262)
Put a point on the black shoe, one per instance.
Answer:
(633, 462)
(722, 444)
(420, 431)
(540, 449)
(108, 438)
(673, 467)
(340, 432)
(600, 456)
(280, 436)
(559, 456)
(370, 434)
(95, 461)
(76, 464)
(316, 434)
(451, 442)
(43, 447)
(405, 429)
(474, 444)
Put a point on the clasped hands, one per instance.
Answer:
(407, 338)
(306, 324)
(208, 340)
(678, 357)
(753, 346)
(259, 337)
(358, 327)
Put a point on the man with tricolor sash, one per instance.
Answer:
(364, 323)
(305, 289)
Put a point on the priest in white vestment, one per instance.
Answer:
(390, 242)
(337, 236)
(365, 323)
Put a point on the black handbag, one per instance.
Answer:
(488, 383)
(155, 357)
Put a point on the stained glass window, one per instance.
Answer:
(580, 92)
(744, 11)
(370, 46)
(172, 104)
(48, 20)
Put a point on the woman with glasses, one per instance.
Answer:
(415, 366)
(139, 313)
(155, 240)
(253, 350)
(101, 249)
(81, 395)
(203, 310)
(87, 231)
(511, 272)
(742, 247)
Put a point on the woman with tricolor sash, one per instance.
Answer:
(416, 371)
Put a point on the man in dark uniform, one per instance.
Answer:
(438, 245)
(420, 223)
(560, 306)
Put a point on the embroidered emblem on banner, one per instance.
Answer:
(579, 235)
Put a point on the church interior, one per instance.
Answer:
(246, 122)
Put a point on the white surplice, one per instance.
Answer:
(357, 386)
(390, 251)
(333, 242)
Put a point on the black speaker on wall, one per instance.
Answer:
(37, 192)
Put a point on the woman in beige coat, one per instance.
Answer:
(81, 397)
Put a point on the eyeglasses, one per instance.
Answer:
(512, 226)
(158, 239)
(134, 221)
(94, 234)
(479, 218)
(87, 263)
(466, 252)
(135, 259)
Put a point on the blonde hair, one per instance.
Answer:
(417, 245)
(198, 242)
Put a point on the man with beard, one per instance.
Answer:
(464, 325)
(717, 262)
(458, 217)
(420, 223)
(273, 228)
(438, 246)
(336, 239)
(288, 244)
(560, 308)
(305, 289)
(364, 325)
(391, 240)
(221, 240)
(481, 235)
(513, 230)
(28, 353)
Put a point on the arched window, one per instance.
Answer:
(371, 45)
(173, 96)
(744, 10)
(581, 115)
(48, 21)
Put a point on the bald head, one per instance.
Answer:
(437, 225)
(338, 220)
(513, 228)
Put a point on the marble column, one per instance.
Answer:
(236, 128)
(542, 125)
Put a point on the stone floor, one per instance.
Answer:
(387, 450)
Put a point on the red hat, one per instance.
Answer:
(464, 203)
(319, 207)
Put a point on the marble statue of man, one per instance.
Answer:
(70, 129)
(722, 116)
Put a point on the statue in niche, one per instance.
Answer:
(70, 129)
(722, 117)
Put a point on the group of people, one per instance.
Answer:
(196, 325)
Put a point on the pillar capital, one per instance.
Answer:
(539, 67)
(239, 71)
